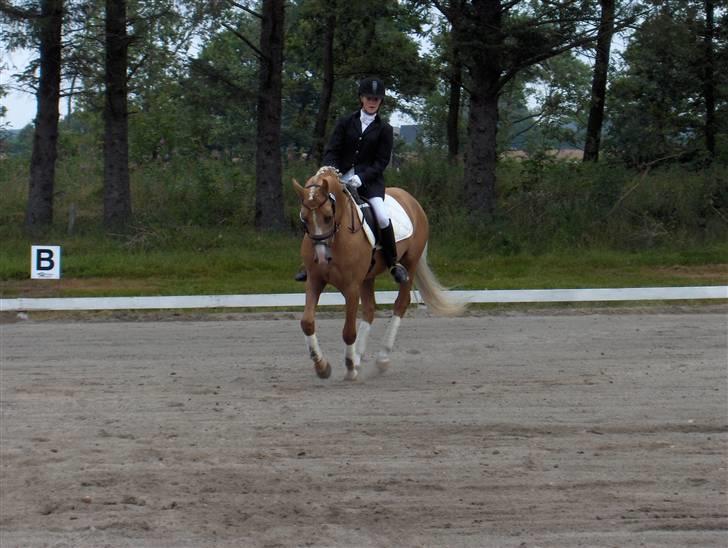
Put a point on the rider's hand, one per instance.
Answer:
(354, 182)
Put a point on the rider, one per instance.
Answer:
(360, 147)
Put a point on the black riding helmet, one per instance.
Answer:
(372, 86)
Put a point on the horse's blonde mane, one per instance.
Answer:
(330, 169)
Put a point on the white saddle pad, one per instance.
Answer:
(401, 222)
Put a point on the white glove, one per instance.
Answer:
(354, 182)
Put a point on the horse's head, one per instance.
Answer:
(318, 208)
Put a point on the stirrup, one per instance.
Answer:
(301, 276)
(399, 273)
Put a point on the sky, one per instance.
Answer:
(21, 105)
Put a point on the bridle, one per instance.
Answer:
(320, 238)
(323, 239)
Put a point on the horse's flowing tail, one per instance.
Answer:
(433, 293)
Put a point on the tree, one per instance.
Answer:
(117, 191)
(3, 113)
(668, 103)
(333, 44)
(47, 25)
(543, 107)
(268, 168)
(709, 77)
(519, 35)
(269, 213)
(327, 81)
(140, 57)
(454, 77)
(599, 81)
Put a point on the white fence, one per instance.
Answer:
(283, 300)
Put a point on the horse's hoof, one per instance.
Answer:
(351, 374)
(383, 364)
(323, 369)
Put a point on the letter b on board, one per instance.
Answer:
(45, 262)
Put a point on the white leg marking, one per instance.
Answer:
(314, 350)
(388, 342)
(351, 373)
(362, 336)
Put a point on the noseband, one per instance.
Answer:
(320, 238)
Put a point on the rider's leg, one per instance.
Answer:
(389, 246)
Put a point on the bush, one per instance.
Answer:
(543, 204)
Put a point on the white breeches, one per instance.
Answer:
(380, 212)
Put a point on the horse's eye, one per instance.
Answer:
(328, 219)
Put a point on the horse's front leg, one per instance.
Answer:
(400, 307)
(308, 326)
(368, 308)
(351, 297)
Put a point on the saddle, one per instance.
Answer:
(400, 221)
(368, 215)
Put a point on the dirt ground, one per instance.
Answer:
(504, 429)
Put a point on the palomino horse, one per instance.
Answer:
(335, 250)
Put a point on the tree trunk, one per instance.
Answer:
(39, 212)
(269, 211)
(327, 88)
(599, 82)
(709, 78)
(480, 155)
(485, 70)
(453, 111)
(117, 192)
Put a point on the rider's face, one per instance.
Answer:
(370, 104)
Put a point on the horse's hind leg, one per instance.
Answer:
(400, 307)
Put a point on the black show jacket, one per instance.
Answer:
(368, 153)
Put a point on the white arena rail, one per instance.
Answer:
(383, 297)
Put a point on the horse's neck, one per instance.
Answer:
(347, 207)
(342, 202)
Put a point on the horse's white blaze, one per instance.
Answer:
(362, 336)
(389, 338)
(316, 228)
(314, 350)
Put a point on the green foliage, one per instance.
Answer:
(560, 225)
(558, 205)
(543, 204)
(372, 38)
(656, 108)
(547, 205)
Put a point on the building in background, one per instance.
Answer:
(408, 133)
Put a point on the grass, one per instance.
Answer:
(192, 260)
(558, 225)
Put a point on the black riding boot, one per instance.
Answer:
(301, 275)
(389, 250)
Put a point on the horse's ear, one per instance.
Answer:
(324, 185)
(298, 188)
